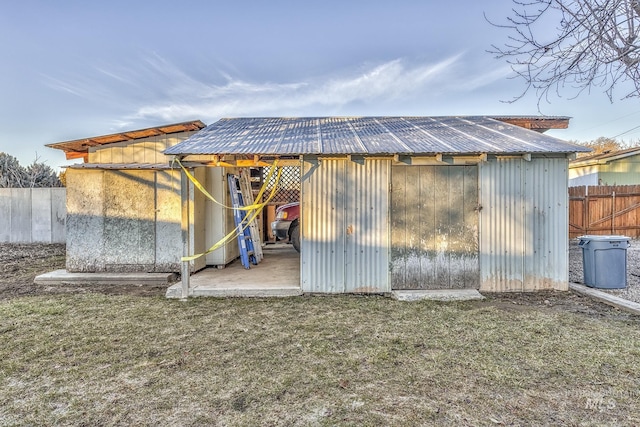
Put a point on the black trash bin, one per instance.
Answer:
(604, 261)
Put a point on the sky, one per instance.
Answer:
(75, 69)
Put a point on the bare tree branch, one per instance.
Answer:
(13, 175)
(592, 44)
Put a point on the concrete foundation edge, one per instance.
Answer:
(620, 303)
(438, 295)
(61, 277)
(175, 292)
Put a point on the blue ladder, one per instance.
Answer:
(245, 242)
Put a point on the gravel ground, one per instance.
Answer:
(631, 292)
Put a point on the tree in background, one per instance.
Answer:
(13, 175)
(596, 44)
(604, 145)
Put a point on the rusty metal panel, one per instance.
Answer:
(523, 224)
(344, 239)
(434, 227)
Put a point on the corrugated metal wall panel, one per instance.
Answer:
(322, 242)
(345, 226)
(547, 263)
(523, 224)
(501, 231)
(367, 235)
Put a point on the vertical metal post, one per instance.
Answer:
(185, 196)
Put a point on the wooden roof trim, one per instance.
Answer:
(540, 124)
(78, 148)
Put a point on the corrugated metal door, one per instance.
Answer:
(524, 224)
(345, 226)
(434, 227)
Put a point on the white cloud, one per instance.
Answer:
(187, 98)
(157, 90)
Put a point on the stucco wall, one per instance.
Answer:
(123, 220)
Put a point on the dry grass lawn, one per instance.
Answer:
(92, 359)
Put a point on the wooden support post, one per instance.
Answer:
(185, 196)
(585, 213)
(613, 212)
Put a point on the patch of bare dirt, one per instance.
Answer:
(21, 263)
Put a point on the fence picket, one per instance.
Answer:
(604, 209)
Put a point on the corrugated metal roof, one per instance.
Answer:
(284, 136)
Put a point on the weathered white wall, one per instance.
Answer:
(144, 150)
(587, 175)
(127, 221)
(32, 215)
(218, 220)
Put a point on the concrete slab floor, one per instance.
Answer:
(60, 277)
(277, 275)
(437, 295)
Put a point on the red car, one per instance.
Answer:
(287, 224)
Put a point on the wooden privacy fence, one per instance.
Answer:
(604, 209)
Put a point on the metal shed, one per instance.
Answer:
(124, 204)
(415, 202)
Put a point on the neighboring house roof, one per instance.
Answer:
(604, 158)
(285, 136)
(79, 148)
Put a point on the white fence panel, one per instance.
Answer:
(33, 215)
